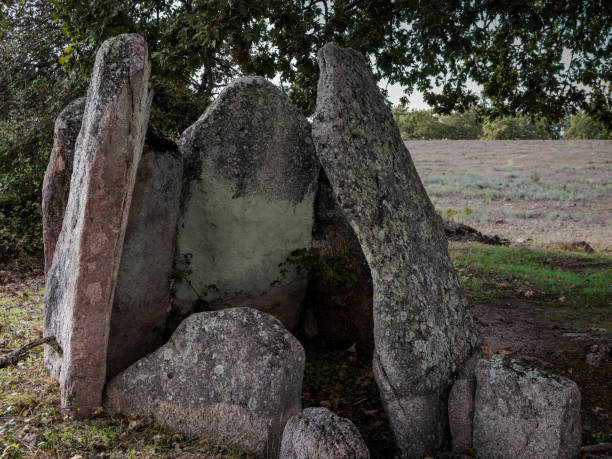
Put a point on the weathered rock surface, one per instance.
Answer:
(461, 406)
(142, 296)
(317, 433)
(234, 376)
(56, 184)
(524, 412)
(250, 181)
(422, 329)
(460, 413)
(341, 300)
(82, 278)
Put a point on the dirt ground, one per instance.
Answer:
(515, 326)
(544, 190)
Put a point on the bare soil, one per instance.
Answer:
(543, 190)
(516, 326)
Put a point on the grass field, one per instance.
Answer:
(550, 293)
(542, 190)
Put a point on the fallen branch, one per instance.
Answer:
(13, 357)
(460, 232)
(599, 448)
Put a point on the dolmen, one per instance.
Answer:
(137, 227)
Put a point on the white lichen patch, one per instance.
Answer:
(237, 243)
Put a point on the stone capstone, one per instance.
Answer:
(523, 412)
(422, 329)
(233, 376)
(56, 184)
(250, 175)
(81, 281)
(142, 296)
(317, 433)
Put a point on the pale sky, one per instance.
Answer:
(415, 101)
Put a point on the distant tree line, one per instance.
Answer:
(471, 125)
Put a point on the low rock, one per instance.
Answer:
(319, 433)
(523, 412)
(598, 353)
(233, 376)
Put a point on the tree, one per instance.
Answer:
(513, 128)
(582, 126)
(425, 125)
(33, 90)
(514, 49)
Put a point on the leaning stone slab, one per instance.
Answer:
(81, 282)
(524, 412)
(56, 184)
(233, 376)
(250, 181)
(422, 329)
(317, 433)
(142, 296)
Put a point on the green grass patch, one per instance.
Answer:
(560, 279)
(31, 424)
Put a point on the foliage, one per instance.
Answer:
(514, 49)
(425, 125)
(582, 126)
(338, 269)
(33, 90)
(513, 128)
(545, 59)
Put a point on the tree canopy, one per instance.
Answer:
(544, 59)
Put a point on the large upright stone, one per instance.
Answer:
(82, 279)
(422, 329)
(142, 297)
(231, 376)
(56, 185)
(250, 181)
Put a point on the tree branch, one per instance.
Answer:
(13, 357)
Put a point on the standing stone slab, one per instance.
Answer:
(232, 376)
(523, 412)
(56, 184)
(81, 282)
(250, 181)
(317, 433)
(422, 329)
(142, 296)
